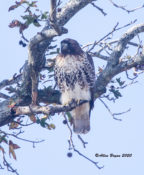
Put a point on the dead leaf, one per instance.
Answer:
(100, 69)
(14, 23)
(13, 7)
(33, 118)
(12, 147)
(13, 125)
(17, 4)
(11, 151)
(52, 126)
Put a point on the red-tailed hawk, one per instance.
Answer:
(75, 77)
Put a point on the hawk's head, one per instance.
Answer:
(70, 46)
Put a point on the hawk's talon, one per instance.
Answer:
(78, 101)
(66, 104)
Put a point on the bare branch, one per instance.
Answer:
(115, 28)
(19, 138)
(123, 7)
(111, 113)
(100, 9)
(15, 79)
(9, 167)
(95, 163)
(97, 54)
(83, 142)
(96, 42)
(70, 141)
(71, 146)
(4, 96)
(127, 75)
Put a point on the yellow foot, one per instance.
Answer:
(71, 102)
(66, 103)
(78, 101)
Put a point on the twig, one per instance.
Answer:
(121, 113)
(19, 138)
(29, 124)
(127, 75)
(115, 28)
(97, 54)
(110, 43)
(100, 9)
(1, 167)
(70, 141)
(123, 8)
(83, 142)
(108, 98)
(126, 25)
(14, 80)
(9, 167)
(95, 163)
(122, 87)
(4, 96)
(22, 35)
(113, 114)
(96, 42)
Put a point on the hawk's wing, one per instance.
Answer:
(89, 71)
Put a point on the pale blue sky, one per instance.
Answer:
(107, 135)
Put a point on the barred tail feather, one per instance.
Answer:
(81, 119)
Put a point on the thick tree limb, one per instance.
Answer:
(123, 41)
(113, 66)
(49, 110)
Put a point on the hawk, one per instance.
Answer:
(75, 77)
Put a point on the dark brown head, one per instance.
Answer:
(70, 46)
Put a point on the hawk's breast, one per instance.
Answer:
(71, 79)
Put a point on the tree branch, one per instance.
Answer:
(100, 9)
(49, 110)
(123, 41)
(113, 66)
(123, 8)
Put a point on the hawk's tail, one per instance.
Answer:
(81, 119)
